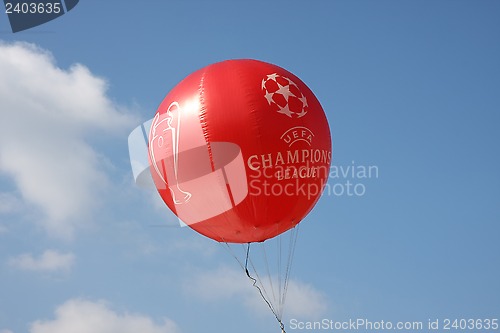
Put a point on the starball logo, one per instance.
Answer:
(26, 14)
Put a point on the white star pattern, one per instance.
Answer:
(289, 81)
(293, 103)
(285, 91)
(301, 114)
(272, 76)
(286, 110)
(269, 97)
(303, 99)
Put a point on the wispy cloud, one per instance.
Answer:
(83, 316)
(305, 301)
(48, 115)
(9, 203)
(48, 261)
(302, 301)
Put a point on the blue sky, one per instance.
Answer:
(409, 87)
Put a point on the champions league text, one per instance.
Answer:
(281, 174)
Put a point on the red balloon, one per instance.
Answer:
(240, 150)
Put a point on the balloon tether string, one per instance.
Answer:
(254, 281)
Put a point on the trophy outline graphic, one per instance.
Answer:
(179, 196)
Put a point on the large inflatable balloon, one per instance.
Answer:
(240, 150)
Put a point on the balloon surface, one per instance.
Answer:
(240, 150)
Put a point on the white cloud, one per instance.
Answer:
(305, 301)
(220, 284)
(9, 203)
(49, 261)
(47, 116)
(302, 300)
(82, 316)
